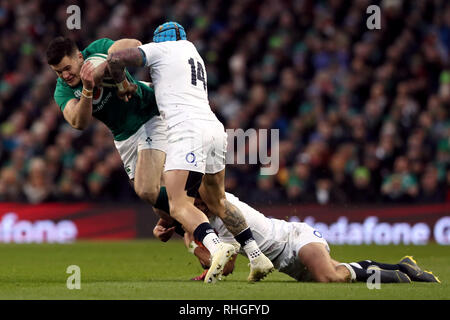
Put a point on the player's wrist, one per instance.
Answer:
(123, 85)
(87, 93)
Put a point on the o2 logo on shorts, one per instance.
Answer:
(317, 234)
(190, 157)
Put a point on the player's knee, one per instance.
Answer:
(322, 278)
(218, 206)
(223, 203)
(147, 193)
(177, 208)
(329, 277)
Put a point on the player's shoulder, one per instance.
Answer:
(186, 44)
(175, 45)
(100, 42)
(97, 46)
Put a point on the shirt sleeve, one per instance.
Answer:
(63, 95)
(153, 53)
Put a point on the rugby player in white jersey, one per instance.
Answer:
(297, 250)
(195, 161)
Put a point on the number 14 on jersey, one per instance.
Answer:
(197, 73)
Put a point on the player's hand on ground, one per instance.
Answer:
(87, 75)
(128, 92)
(203, 256)
(162, 233)
(229, 267)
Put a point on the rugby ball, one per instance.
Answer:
(96, 59)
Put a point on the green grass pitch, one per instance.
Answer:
(154, 270)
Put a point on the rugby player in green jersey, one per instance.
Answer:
(132, 117)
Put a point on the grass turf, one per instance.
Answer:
(154, 270)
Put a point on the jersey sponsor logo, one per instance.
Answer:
(102, 102)
(77, 93)
(97, 96)
(317, 234)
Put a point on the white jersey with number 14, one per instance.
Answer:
(179, 77)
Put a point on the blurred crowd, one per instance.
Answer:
(363, 115)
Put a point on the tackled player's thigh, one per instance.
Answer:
(317, 260)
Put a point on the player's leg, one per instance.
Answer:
(313, 253)
(181, 189)
(184, 168)
(317, 260)
(363, 274)
(212, 192)
(143, 155)
(178, 184)
(148, 174)
(407, 265)
(204, 257)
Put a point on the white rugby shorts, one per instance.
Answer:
(299, 234)
(151, 135)
(196, 145)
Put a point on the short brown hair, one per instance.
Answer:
(59, 48)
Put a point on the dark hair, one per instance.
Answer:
(59, 48)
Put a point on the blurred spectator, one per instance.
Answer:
(363, 190)
(363, 115)
(37, 187)
(68, 189)
(265, 193)
(401, 185)
(431, 190)
(10, 185)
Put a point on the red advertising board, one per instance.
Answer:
(412, 224)
(60, 222)
(63, 222)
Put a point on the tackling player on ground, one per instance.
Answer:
(196, 150)
(297, 250)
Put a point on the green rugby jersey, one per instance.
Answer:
(122, 118)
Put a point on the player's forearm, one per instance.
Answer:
(83, 117)
(79, 115)
(124, 44)
(100, 72)
(118, 60)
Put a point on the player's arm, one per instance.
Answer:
(118, 60)
(78, 113)
(166, 226)
(100, 72)
(163, 230)
(124, 44)
(117, 67)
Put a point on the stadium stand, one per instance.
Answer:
(363, 114)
